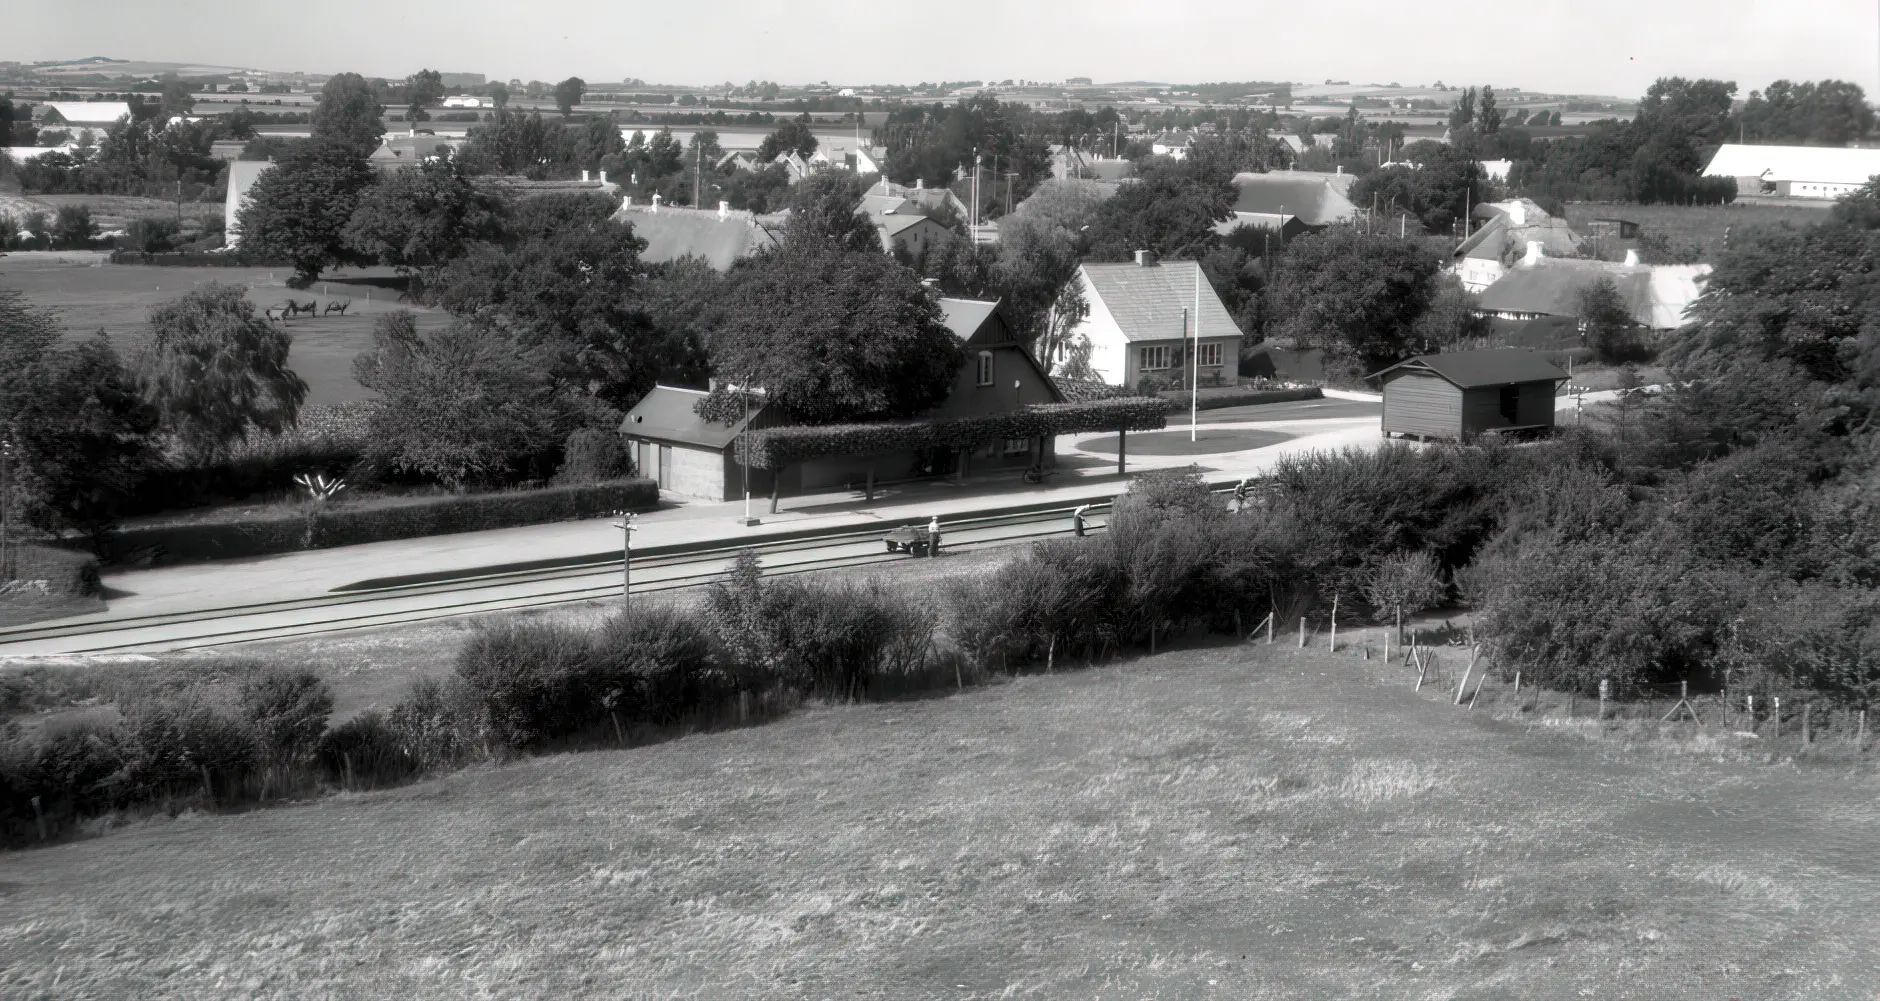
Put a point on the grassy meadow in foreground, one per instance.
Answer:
(1231, 822)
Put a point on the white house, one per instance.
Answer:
(82, 114)
(1794, 171)
(1142, 323)
(241, 177)
(1512, 229)
(463, 101)
(1659, 297)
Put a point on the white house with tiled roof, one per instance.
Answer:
(1142, 323)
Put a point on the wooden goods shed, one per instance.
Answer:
(1460, 395)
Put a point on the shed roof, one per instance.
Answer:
(1477, 369)
(1147, 302)
(665, 413)
(89, 112)
(965, 316)
(1312, 199)
(1828, 164)
(1500, 239)
(1552, 287)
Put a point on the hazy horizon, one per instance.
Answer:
(1590, 46)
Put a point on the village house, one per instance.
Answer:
(1503, 240)
(689, 455)
(719, 237)
(1658, 297)
(1292, 203)
(1142, 324)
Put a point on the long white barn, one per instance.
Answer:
(1823, 172)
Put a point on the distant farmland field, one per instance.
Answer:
(118, 299)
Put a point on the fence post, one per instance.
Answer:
(1464, 686)
(1387, 647)
(1269, 626)
(1860, 732)
(1775, 713)
(40, 818)
(1332, 647)
(1302, 632)
(1605, 691)
(1808, 733)
(1517, 689)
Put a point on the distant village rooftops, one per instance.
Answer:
(719, 237)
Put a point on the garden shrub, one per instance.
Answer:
(531, 678)
(657, 665)
(74, 773)
(288, 711)
(440, 722)
(67, 573)
(179, 741)
(593, 455)
(366, 750)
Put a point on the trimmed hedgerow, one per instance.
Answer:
(774, 448)
(342, 524)
(64, 572)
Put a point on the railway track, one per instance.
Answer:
(396, 601)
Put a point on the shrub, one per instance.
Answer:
(67, 573)
(531, 678)
(366, 750)
(439, 723)
(593, 455)
(1405, 583)
(657, 665)
(182, 740)
(288, 711)
(74, 773)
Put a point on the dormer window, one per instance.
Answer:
(985, 368)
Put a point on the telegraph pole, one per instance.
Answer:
(625, 524)
(1194, 381)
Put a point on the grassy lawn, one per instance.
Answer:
(118, 299)
(1703, 225)
(1208, 441)
(1229, 822)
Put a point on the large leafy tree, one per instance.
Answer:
(417, 220)
(568, 93)
(1829, 113)
(215, 371)
(1171, 208)
(349, 112)
(1358, 297)
(465, 405)
(572, 301)
(826, 211)
(834, 335)
(422, 89)
(1438, 190)
(792, 135)
(82, 439)
(298, 211)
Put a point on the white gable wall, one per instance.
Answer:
(1109, 349)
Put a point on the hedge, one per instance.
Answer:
(1244, 398)
(774, 448)
(198, 259)
(66, 573)
(341, 524)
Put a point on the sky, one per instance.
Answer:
(1614, 47)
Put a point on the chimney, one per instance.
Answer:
(584, 177)
(603, 178)
(628, 203)
(1534, 254)
(1341, 168)
(724, 210)
(920, 184)
(656, 209)
(1145, 258)
(1631, 258)
(1517, 214)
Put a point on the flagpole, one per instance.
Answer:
(1194, 381)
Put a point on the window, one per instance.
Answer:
(1209, 355)
(1156, 358)
(985, 368)
(1017, 446)
(1510, 403)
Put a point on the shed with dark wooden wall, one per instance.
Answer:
(1463, 394)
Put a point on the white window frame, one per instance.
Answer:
(1209, 355)
(1017, 446)
(1155, 353)
(985, 368)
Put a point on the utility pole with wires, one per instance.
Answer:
(1194, 380)
(698, 168)
(625, 524)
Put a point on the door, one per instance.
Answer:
(665, 467)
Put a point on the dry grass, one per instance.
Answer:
(1703, 225)
(1241, 822)
(118, 300)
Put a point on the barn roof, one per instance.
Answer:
(1829, 164)
(1315, 201)
(719, 240)
(665, 413)
(1476, 369)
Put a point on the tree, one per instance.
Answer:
(792, 135)
(298, 211)
(349, 112)
(1438, 190)
(1463, 114)
(464, 405)
(1171, 209)
(72, 227)
(1489, 116)
(572, 301)
(423, 88)
(761, 190)
(1405, 583)
(82, 438)
(215, 370)
(1829, 113)
(178, 96)
(420, 219)
(1356, 296)
(568, 93)
(836, 336)
(826, 211)
(1607, 324)
(499, 94)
